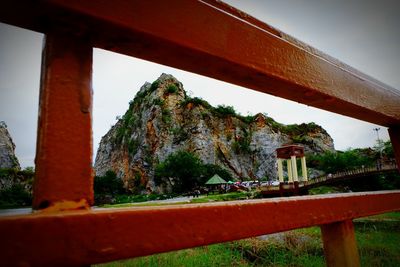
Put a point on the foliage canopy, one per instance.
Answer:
(187, 171)
(108, 184)
(332, 162)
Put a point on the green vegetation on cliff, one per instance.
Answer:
(296, 131)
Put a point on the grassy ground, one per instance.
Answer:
(378, 239)
(215, 255)
(201, 199)
(225, 197)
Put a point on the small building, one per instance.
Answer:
(290, 153)
(216, 181)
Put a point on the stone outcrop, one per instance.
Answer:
(7, 149)
(162, 119)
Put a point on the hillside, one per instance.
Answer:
(162, 119)
(7, 149)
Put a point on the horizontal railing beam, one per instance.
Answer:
(88, 237)
(213, 39)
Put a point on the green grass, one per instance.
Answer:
(383, 217)
(141, 204)
(141, 200)
(223, 197)
(378, 238)
(379, 248)
(324, 190)
(291, 248)
(214, 255)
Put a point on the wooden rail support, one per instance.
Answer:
(340, 246)
(64, 142)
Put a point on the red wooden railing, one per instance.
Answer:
(206, 37)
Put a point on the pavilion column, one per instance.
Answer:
(280, 170)
(289, 170)
(294, 168)
(304, 169)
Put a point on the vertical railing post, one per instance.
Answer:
(394, 133)
(64, 176)
(340, 246)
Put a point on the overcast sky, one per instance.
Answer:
(364, 34)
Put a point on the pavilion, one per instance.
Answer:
(290, 153)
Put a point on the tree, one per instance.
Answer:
(108, 184)
(15, 196)
(388, 149)
(332, 162)
(183, 167)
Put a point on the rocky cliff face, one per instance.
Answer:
(7, 149)
(162, 120)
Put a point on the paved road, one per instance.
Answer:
(171, 200)
(9, 212)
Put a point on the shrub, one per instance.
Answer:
(158, 102)
(300, 139)
(133, 146)
(276, 126)
(28, 175)
(108, 184)
(17, 191)
(224, 111)
(128, 121)
(154, 86)
(166, 115)
(301, 129)
(196, 101)
(180, 134)
(120, 135)
(184, 167)
(15, 196)
(247, 119)
(172, 88)
(388, 149)
(242, 144)
(331, 162)
(187, 171)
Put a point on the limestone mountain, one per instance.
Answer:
(162, 119)
(7, 149)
